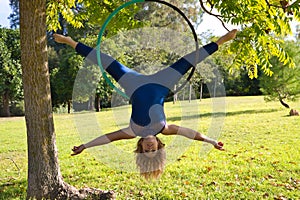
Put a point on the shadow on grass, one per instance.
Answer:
(15, 189)
(223, 114)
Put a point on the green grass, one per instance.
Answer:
(261, 160)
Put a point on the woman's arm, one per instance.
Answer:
(80, 48)
(105, 139)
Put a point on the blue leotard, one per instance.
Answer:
(147, 92)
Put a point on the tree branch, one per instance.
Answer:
(212, 14)
(272, 5)
(295, 3)
(284, 4)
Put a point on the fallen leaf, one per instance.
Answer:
(266, 195)
(229, 184)
(183, 194)
(213, 183)
(186, 182)
(280, 197)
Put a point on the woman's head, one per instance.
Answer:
(150, 157)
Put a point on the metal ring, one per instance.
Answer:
(128, 4)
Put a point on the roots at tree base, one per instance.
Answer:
(68, 192)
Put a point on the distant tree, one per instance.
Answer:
(14, 17)
(284, 84)
(103, 95)
(203, 75)
(10, 69)
(63, 77)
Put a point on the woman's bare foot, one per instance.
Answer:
(227, 37)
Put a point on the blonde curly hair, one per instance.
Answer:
(150, 167)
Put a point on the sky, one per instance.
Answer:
(4, 13)
(206, 25)
(209, 22)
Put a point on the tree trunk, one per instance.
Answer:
(97, 103)
(201, 90)
(215, 88)
(175, 96)
(69, 107)
(5, 104)
(91, 106)
(190, 92)
(283, 103)
(44, 178)
(43, 170)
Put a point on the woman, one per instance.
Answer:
(147, 94)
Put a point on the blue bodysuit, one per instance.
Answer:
(147, 92)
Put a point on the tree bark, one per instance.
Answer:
(175, 96)
(69, 107)
(190, 92)
(5, 104)
(91, 103)
(43, 170)
(215, 88)
(283, 103)
(201, 90)
(97, 103)
(44, 178)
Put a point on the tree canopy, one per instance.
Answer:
(263, 23)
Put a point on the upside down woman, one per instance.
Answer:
(147, 94)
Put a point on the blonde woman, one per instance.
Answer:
(147, 95)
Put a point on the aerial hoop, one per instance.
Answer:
(100, 35)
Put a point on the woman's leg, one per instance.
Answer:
(109, 64)
(189, 60)
(171, 75)
(113, 67)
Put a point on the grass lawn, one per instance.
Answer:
(261, 161)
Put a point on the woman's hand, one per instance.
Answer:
(219, 146)
(60, 38)
(64, 40)
(77, 149)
